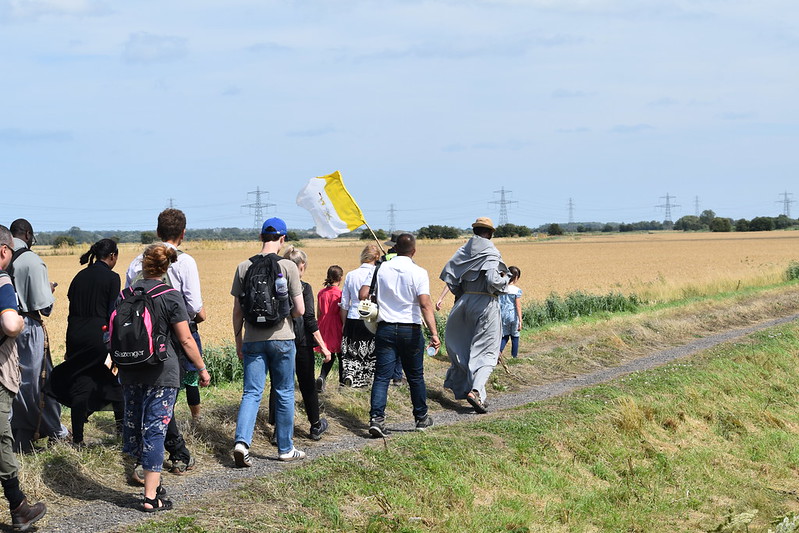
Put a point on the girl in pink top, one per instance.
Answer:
(329, 319)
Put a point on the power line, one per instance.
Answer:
(503, 205)
(258, 207)
(667, 206)
(786, 203)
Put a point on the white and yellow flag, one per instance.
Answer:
(333, 209)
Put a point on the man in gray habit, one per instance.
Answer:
(475, 275)
(34, 414)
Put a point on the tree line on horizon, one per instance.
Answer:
(706, 221)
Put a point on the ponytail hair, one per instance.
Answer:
(334, 275)
(156, 260)
(515, 273)
(296, 255)
(99, 250)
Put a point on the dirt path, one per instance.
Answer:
(100, 515)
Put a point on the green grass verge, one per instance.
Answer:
(704, 444)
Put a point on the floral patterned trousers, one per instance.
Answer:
(148, 411)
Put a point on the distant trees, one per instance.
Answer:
(148, 237)
(380, 234)
(689, 223)
(721, 224)
(64, 240)
(641, 226)
(741, 225)
(512, 230)
(707, 217)
(438, 232)
(554, 229)
(761, 224)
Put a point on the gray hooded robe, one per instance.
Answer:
(475, 275)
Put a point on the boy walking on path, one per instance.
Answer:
(267, 350)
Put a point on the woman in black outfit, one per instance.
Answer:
(306, 337)
(83, 381)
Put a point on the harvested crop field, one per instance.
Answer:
(656, 266)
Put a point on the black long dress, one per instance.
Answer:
(82, 381)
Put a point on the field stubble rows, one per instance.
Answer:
(657, 267)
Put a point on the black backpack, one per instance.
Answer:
(258, 300)
(137, 329)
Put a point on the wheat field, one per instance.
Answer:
(656, 266)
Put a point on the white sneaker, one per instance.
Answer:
(292, 455)
(241, 455)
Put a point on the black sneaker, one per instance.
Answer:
(318, 428)
(377, 428)
(424, 423)
(320, 384)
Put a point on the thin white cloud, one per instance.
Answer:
(664, 102)
(317, 132)
(143, 47)
(35, 9)
(512, 145)
(509, 47)
(631, 128)
(20, 136)
(266, 48)
(736, 116)
(565, 93)
(231, 91)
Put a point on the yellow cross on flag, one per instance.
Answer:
(333, 208)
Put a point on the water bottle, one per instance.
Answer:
(282, 294)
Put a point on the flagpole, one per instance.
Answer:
(379, 245)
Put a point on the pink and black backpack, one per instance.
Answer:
(137, 330)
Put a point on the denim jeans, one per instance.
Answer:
(401, 341)
(148, 411)
(277, 359)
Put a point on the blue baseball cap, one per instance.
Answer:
(274, 226)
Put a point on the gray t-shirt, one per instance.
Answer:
(171, 309)
(284, 330)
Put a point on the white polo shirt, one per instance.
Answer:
(400, 282)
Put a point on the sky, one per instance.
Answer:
(432, 110)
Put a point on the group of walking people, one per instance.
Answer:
(276, 332)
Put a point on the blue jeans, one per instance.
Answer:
(148, 411)
(402, 341)
(277, 359)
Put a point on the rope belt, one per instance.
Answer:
(481, 293)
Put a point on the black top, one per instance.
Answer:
(167, 374)
(305, 326)
(93, 292)
(83, 373)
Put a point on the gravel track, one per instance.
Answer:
(100, 515)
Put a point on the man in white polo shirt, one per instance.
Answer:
(403, 299)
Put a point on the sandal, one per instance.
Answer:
(474, 400)
(157, 504)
